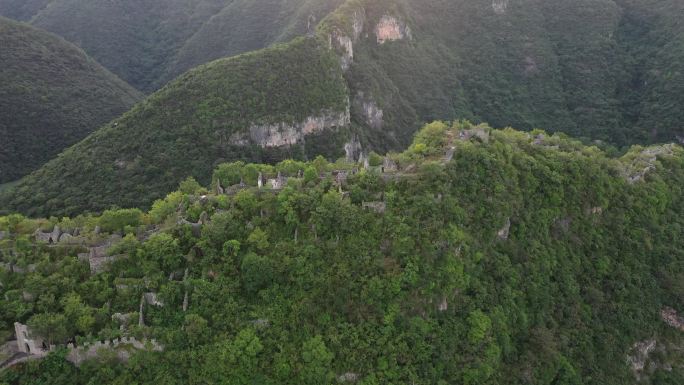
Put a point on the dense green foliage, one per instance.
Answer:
(185, 130)
(52, 94)
(304, 285)
(148, 42)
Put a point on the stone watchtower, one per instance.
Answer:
(28, 345)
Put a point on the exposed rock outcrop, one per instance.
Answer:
(353, 149)
(378, 207)
(288, 134)
(639, 356)
(349, 377)
(637, 165)
(672, 318)
(345, 47)
(479, 133)
(500, 6)
(505, 231)
(372, 114)
(389, 28)
(343, 43)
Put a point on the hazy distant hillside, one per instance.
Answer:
(51, 96)
(246, 25)
(133, 38)
(21, 9)
(148, 42)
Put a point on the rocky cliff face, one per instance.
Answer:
(287, 134)
(389, 28)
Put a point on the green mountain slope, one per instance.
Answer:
(238, 108)
(53, 95)
(590, 68)
(524, 259)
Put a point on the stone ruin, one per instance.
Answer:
(33, 347)
(150, 299)
(97, 257)
(4, 234)
(378, 206)
(479, 133)
(28, 345)
(388, 165)
(122, 347)
(278, 183)
(196, 227)
(58, 236)
(12, 268)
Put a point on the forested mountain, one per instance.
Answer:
(148, 42)
(596, 69)
(477, 256)
(51, 96)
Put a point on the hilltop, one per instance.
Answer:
(53, 95)
(477, 256)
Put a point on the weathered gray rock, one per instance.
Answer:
(152, 299)
(66, 238)
(353, 149)
(348, 377)
(56, 233)
(479, 133)
(449, 154)
(42, 237)
(500, 6)
(388, 165)
(672, 318)
(378, 207)
(370, 111)
(640, 355)
(505, 231)
(287, 134)
(443, 305)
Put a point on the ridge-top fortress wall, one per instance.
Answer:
(36, 347)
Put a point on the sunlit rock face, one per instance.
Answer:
(288, 134)
(389, 28)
